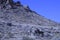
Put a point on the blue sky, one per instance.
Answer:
(48, 8)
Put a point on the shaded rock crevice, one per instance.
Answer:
(5, 3)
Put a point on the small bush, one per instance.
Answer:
(9, 24)
(27, 38)
(9, 35)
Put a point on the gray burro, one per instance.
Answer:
(19, 22)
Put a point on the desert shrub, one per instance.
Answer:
(1, 35)
(9, 24)
(38, 32)
(27, 38)
(9, 35)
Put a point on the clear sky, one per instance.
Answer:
(48, 8)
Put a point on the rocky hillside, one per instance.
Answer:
(16, 12)
(19, 22)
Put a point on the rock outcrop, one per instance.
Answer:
(19, 22)
(4, 3)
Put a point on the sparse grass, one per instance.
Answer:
(27, 38)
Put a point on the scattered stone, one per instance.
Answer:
(38, 32)
(9, 2)
(9, 24)
(18, 3)
(27, 9)
(3, 3)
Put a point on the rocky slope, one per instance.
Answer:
(19, 22)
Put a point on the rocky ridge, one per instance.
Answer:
(19, 22)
